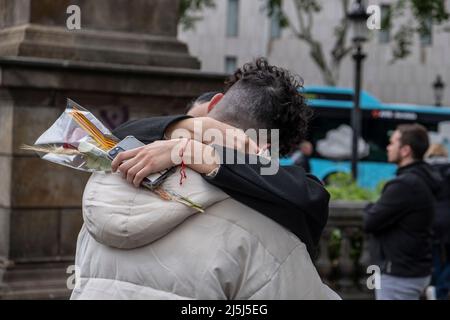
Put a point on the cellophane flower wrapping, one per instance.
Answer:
(80, 141)
(79, 146)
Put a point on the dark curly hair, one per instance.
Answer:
(268, 97)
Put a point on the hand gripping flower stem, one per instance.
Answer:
(136, 164)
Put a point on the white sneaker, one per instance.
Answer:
(430, 293)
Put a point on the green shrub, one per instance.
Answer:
(342, 187)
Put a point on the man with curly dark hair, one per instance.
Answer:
(262, 96)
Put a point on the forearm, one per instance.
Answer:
(200, 157)
(211, 131)
(389, 209)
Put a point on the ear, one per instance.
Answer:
(214, 101)
(406, 151)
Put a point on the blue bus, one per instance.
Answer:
(332, 108)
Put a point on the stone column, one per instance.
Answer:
(141, 32)
(125, 63)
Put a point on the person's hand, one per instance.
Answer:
(136, 164)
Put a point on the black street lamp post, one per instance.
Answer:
(358, 18)
(358, 56)
(438, 87)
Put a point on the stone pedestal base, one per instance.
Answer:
(36, 281)
(32, 40)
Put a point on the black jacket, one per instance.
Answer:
(441, 225)
(294, 199)
(401, 222)
(301, 160)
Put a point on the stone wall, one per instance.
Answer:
(124, 63)
(40, 202)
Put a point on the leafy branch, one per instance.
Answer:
(189, 12)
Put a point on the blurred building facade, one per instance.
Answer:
(236, 31)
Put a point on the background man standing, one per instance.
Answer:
(301, 156)
(437, 157)
(401, 221)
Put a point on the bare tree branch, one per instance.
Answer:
(310, 21)
(339, 52)
(298, 7)
(305, 34)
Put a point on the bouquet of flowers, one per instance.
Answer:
(80, 141)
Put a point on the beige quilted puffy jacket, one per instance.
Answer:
(134, 245)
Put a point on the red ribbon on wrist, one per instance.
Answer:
(183, 175)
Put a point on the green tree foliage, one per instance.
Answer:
(342, 187)
(334, 246)
(189, 11)
(424, 14)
